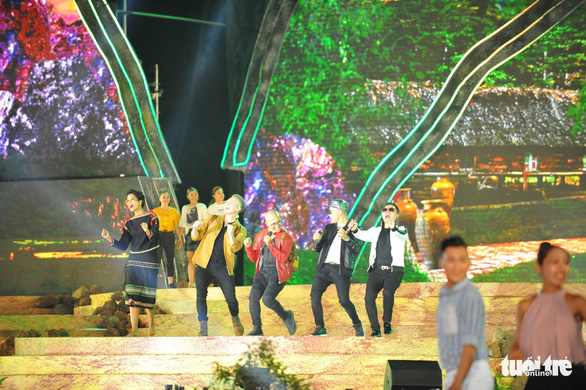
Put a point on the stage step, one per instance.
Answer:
(130, 363)
(357, 291)
(223, 346)
(175, 355)
(339, 362)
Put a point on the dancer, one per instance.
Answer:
(337, 249)
(461, 321)
(190, 213)
(270, 251)
(141, 232)
(549, 324)
(168, 226)
(390, 246)
(221, 237)
(217, 205)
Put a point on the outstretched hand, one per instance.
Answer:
(247, 242)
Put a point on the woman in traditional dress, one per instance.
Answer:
(141, 233)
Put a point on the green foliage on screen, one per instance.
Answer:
(335, 50)
(526, 272)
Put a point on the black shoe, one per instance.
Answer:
(388, 329)
(359, 329)
(375, 333)
(290, 323)
(256, 331)
(319, 331)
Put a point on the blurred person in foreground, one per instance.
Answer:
(549, 324)
(461, 320)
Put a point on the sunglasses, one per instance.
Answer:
(390, 209)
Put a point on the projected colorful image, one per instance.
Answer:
(353, 79)
(60, 114)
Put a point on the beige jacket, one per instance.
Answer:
(208, 232)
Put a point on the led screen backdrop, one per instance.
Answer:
(353, 79)
(60, 114)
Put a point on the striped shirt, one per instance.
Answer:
(460, 321)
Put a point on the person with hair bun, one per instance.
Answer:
(549, 324)
(141, 233)
(217, 204)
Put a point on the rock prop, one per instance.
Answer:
(123, 316)
(25, 333)
(85, 301)
(105, 313)
(494, 349)
(117, 296)
(112, 332)
(58, 333)
(7, 347)
(81, 292)
(122, 307)
(182, 284)
(110, 305)
(62, 309)
(110, 322)
(67, 300)
(47, 301)
(95, 289)
(122, 328)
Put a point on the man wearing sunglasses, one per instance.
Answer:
(271, 250)
(389, 247)
(337, 249)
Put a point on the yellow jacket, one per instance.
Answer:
(208, 232)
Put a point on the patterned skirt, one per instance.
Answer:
(140, 281)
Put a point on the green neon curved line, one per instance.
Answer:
(249, 152)
(235, 152)
(234, 125)
(122, 103)
(463, 107)
(410, 134)
(144, 80)
(128, 80)
(460, 113)
(231, 131)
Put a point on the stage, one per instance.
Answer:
(175, 355)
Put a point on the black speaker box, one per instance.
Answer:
(413, 375)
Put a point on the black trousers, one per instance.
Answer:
(167, 245)
(203, 278)
(330, 274)
(266, 286)
(379, 280)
